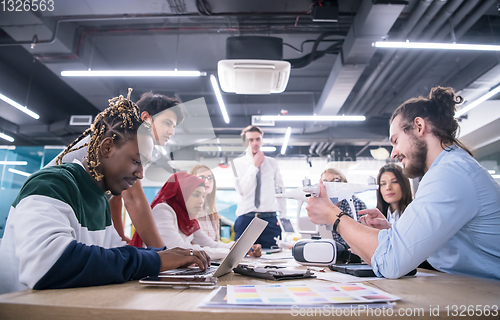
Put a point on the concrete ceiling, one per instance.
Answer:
(349, 78)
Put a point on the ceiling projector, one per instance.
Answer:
(253, 65)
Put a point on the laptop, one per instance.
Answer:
(193, 277)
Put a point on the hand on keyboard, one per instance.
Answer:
(196, 271)
(178, 257)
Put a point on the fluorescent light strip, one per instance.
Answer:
(285, 142)
(222, 106)
(268, 149)
(496, 176)
(314, 118)
(132, 73)
(477, 102)
(19, 107)
(492, 172)
(8, 147)
(19, 172)
(6, 137)
(219, 148)
(14, 163)
(429, 45)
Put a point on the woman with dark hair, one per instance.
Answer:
(393, 193)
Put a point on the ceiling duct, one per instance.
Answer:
(254, 65)
(373, 21)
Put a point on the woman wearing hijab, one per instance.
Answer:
(175, 209)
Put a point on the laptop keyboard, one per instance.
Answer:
(192, 272)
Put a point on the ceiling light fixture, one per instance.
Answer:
(268, 149)
(14, 163)
(477, 102)
(314, 118)
(231, 148)
(6, 137)
(218, 94)
(19, 172)
(132, 73)
(429, 45)
(285, 142)
(380, 153)
(19, 107)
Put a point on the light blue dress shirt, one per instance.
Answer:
(454, 223)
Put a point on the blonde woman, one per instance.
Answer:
(208, 217)
(335, 175)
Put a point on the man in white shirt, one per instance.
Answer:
(257, 176)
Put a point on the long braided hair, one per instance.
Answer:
(120, 120)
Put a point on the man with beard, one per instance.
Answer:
(454, 221)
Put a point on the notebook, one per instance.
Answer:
(197, 277)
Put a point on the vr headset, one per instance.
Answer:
(322, 252)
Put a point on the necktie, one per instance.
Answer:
(257, 190)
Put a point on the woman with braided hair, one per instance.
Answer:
(59, 232)
(163, 114)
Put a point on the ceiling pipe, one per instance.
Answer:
(433, 58)
(356, 53)
(360, 107)
(319, 147)
(330, 147)
(323, 148)
(412, 21)
(88, 18)
(312, 147)
(100, 31)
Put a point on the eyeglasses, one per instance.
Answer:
(208, 178)
(333, 180)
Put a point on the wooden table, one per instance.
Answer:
(134, 301)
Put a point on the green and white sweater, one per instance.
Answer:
(59, 234)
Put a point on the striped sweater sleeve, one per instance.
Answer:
(48, 245)
(82, 266)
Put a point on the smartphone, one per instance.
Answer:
(360, 270)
